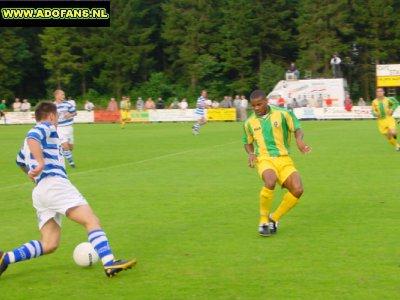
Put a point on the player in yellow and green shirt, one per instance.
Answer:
(383, 109)
(267, 135)
(125, 106)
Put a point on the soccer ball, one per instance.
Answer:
(84, 255)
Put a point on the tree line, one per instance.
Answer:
(175, 48)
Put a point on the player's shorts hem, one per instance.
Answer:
(283, 167)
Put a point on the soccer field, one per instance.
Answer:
(187, 208)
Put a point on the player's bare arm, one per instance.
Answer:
(36, 150)
(252, 157)
(303, 147)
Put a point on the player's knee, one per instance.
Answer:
(297, 190)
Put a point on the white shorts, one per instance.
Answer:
(66, 134)
(52, 197)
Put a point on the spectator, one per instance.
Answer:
(215, 104)
(160, 103)
(174, 104)
(139, 104)
(348, 104)
(149, 104)
(3, 107)
(236, 105)
(226, 103)
(281, 101)
(25, 106)
(17, 105)
(293, 70)
(112, 105)
(361, 102)
(183, 104)
(336, 69)
(320, 101)
(304, 102)
(243, 108)
(89, 106)
(295, 104)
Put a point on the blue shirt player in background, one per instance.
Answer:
(200, 113)
(66, 112)
(54, 196)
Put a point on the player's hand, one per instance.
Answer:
(36, 171)
(390, 112)
(252, 160)
(303, 147)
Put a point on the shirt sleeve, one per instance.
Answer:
(36, 134)
(292, 121)
(394, 104)
(20, 160)
(71, 109)
(374, 109)
(247, 134)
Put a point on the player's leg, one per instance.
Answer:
(197, 125)
(49, 241)
(392, 133)
(266, 197)
(295, 189)
(85, 216)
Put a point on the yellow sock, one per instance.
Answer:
(287, 203)
(393, 141)
(266, 197)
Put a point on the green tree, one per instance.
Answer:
(58, 57)
(323, 29)
(189, 34)
(14, 54)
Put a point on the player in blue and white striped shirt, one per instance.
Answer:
(55, 196)
(66, 113)
(200, 113)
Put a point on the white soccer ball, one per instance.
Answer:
(84, 255)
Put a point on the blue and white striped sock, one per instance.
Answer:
(196, 127)
(68, 155)
(26, 251)
(100, 243)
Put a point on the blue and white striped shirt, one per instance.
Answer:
(62, 109)
(200, 106)
(46, 134)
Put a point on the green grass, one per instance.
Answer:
(187, 208)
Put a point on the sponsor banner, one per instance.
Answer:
(29, 117)
(138, 116)
(84, 116)
(388, 81)
(304, 113)
(19, 118)
(388, 75)
(332, 113)
(172, 115)
(221, 114)
(105, 116)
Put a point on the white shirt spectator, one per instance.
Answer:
(336, 60)
(215, 104)
(17, 105)
(244, 103)
(89, 106)
(183, 104)
(25, 106)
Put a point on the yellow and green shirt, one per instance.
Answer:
(380, 108)
(271, 134)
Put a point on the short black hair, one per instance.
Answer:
(43, 109)
(258, 94)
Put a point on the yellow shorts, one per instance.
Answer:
(283, 167)
(125, 115)
(386, 124)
